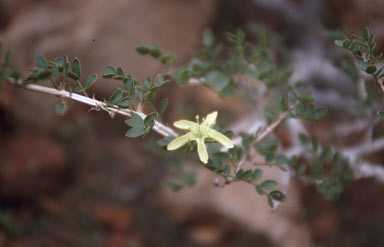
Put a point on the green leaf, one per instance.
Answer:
(148, 83)
(228, 133)
(283, 104)
(270, 202)
(155, 51)
(164, 141)
(227, 91)
(246, 140)
(281, 159)
(215, 165)
(41, 62)
(181, 76)
(365, 34)
(319, 113)
(60, 61)
(149, 120)
(256, 175)
(347, 44)
(236, 153)
(339, 43)
(137, 95)
(76, 68)
(163, 106)
(303, 139)
(333, 192)
(150, 96)
(135, 122)
(365, 66)
(125, 102)
(268, 184)
(168, 59)
(59, 109)
(54, 71)
(217, 80)
(208, 38)
(79, 88)
(239, 173)
(90, 81)
(159, 81)
(142, 49)
(129, 85)
(246, 174)
(7, 59)
(227, 169)
(267, 149)
(175, 186)
(116, 97)
(41, 74)
(371, 69)
(120, 72)
(73, 76)
(381, 114)
(243, 175)
(110, 71)
(259, 190)
(135, 132)
(309, 112)
(65, 66)
(301, 170)
(277, 196)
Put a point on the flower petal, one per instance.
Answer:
(185, 124)
(220, 138)
(202, 150)
(179, 141)
(210, 119)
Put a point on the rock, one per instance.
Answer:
(206, 235)
(116, 218)
(240, 202)
(31, 165)
(100, 34)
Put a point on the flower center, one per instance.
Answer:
(201, 131)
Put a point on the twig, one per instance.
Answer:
(369, 147)
(274, 125)
(159, 128)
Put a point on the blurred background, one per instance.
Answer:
(75, 180)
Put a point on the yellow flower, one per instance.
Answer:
(199, 132)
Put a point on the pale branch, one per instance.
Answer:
(96, 104)
(370, 170)
(273, 126)
(345, 129)
(364, 170)
(286, 181)
(369, 147)
(360, 170)
(194, 81)
(254, 130)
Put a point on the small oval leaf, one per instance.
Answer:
(116, 97)
(268, 184)
(76, 67)
(90, 81)
(135, 132)
(41, 62)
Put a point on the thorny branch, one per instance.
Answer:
(159, 127)
(363, 170)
